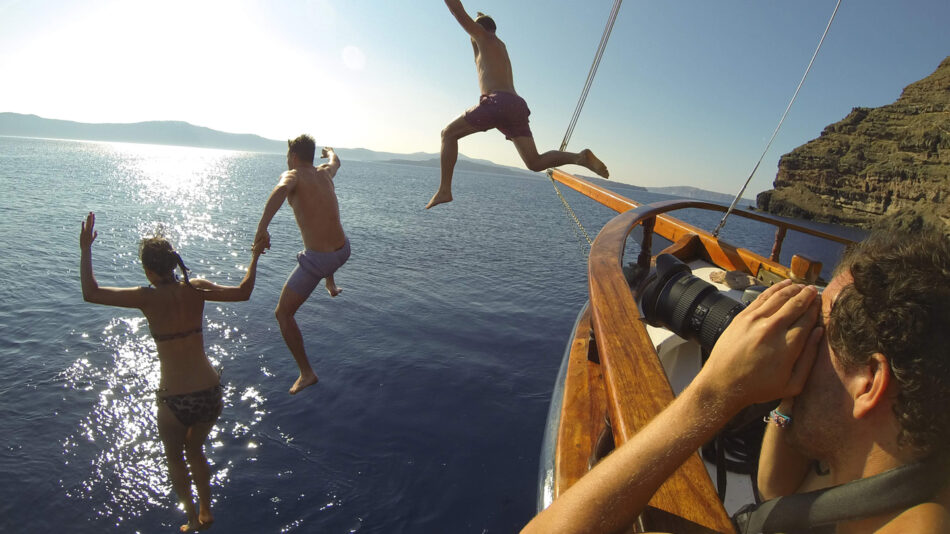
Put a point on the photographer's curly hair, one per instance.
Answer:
(158, 255)
(899, 306)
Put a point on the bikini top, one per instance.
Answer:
(177, 335)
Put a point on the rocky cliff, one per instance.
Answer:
(883, 165)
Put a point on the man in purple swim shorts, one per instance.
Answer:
(507, 112)
(311, 193)
(313, 266)
(500, 107)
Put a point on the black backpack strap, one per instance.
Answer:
(891, 491)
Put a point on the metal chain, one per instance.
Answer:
(577, 112)
(577, 222)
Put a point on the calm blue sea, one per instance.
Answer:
(436, 363)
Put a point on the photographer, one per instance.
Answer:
(866, 364)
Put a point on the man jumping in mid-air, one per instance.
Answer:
(499, 107)
(310, 191)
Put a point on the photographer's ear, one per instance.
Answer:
(869, 384)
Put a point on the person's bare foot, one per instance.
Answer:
(197, 525)
(589, 160)
(333, 289)
(205, 518)
(303, 381)
(192, 524)
(439, 198)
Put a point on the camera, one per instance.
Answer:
(674, 298)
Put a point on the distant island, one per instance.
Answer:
(179, 133)
(701, 194)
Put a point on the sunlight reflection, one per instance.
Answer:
(173, 173)
(180, 186)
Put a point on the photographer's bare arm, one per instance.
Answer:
(783, 470)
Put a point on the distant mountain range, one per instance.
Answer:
(184, 134)
(684, 191)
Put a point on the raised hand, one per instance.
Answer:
(88, 234)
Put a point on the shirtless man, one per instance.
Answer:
(499, 107)
(310, 191)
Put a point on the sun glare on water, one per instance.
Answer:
(181, 183)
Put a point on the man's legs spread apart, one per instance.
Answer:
(555, 158)
(456, 130)
(287, 305)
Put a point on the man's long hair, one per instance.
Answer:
(899, 306)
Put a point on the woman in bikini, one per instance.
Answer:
(189, 395)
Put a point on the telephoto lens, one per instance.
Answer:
(690, 307)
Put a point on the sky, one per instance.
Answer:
(688, 92)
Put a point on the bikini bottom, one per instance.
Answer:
(196, 407)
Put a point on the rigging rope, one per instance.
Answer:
(593, 70)
(774, 133)
(580, 105)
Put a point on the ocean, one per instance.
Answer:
(436, 363)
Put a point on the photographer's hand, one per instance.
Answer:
(767, 351)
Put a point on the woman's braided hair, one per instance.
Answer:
(160, 257)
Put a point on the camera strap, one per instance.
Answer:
(891, 491)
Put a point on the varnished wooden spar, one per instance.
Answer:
(718, 251)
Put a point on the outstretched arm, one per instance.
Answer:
(130, 297)
(766, 353)
(237, 293)
(333, 164)
(468, 24)
(274, 202)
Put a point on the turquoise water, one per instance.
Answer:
(436, 363)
